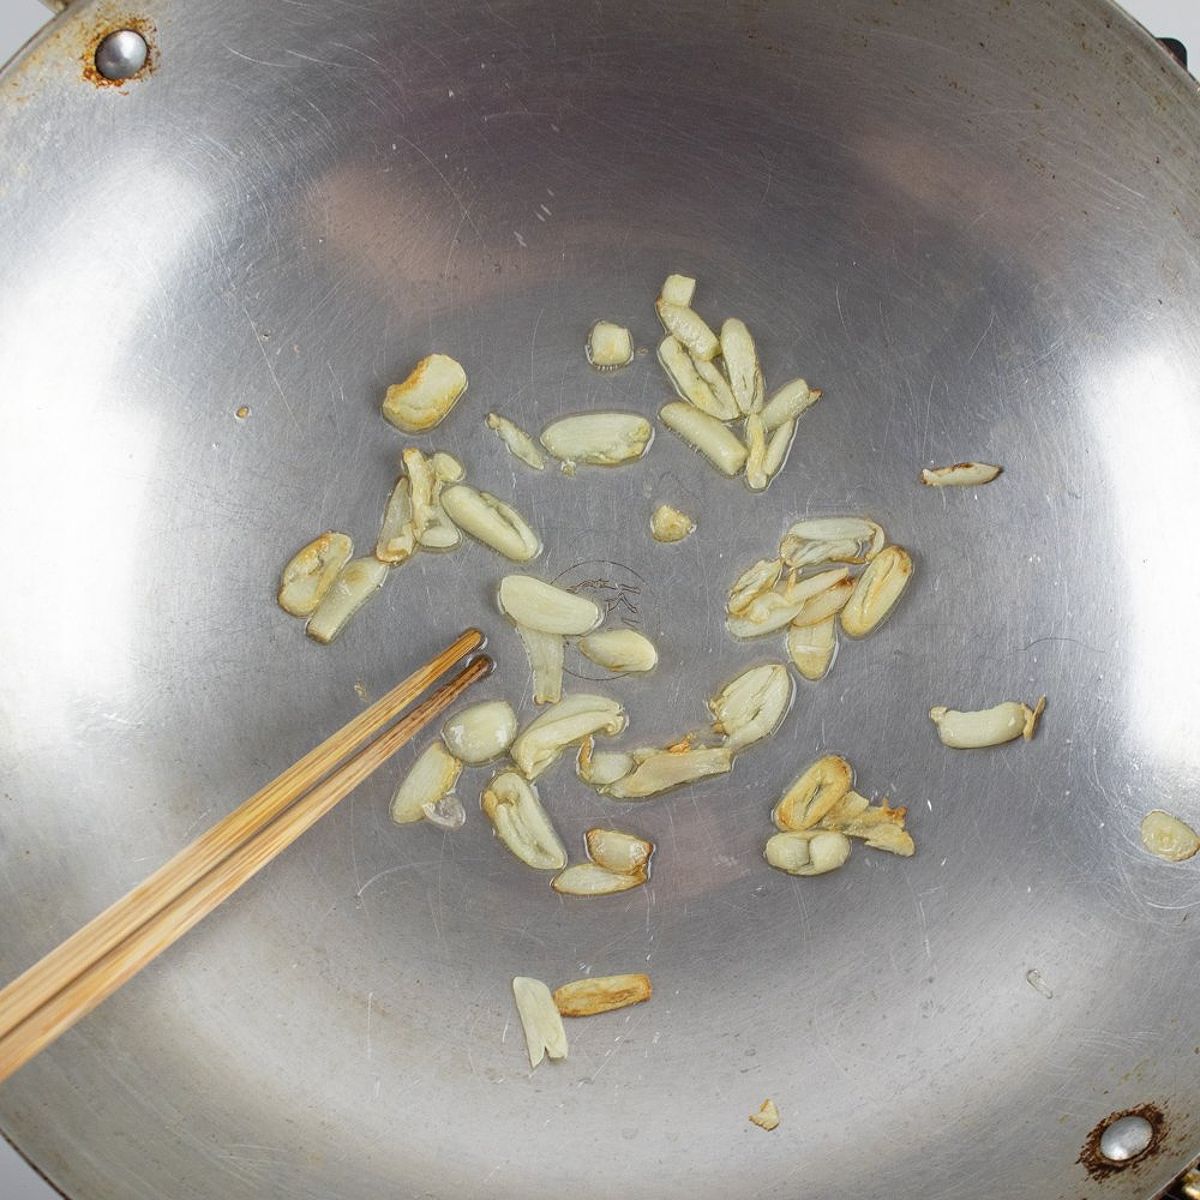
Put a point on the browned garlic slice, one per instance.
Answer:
(678, 289)
(740, 357)
(767, 1116)
(519, 443)
(824, 604)
(601, 994)
(445, 813)
(570, 720)
(617, 851)
(668, 524)
(753, 582)
(988, 726)
(964, 474)
(427, 395)
(750, 707)
(355, 584)
(588, 879)
(788, 403)
(545, 652)
(877, 590)
(1168, 837)
(609, 346)
(687, 379)
(601, 767)
(521, 823)
(538, 605)
(690, 328)
(812, 648)
(623, 650)
(773, 610)
(704, 433)
(831, 539)
(431, 777)
(664, 769)
(481, 732)
(879, 825)
(493, 522)
(756, 454)
(540, 1020)
(810, 852)
(603, 439)
(813, 793)
(308, 577)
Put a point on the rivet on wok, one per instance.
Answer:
(121, 54)
(1126, 1138)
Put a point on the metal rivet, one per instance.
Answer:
(1126, 1138)
(122, 54)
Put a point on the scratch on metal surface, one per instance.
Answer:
(370, 1006)
(258, 341)
(462, 208)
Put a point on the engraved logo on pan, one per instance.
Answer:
(623, 596)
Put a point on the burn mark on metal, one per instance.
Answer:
(1098, 1166)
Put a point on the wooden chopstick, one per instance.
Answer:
(30, 990)
(109, 971)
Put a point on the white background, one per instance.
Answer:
(20, 19)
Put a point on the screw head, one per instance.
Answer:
(121, 54)
(1126, 1138)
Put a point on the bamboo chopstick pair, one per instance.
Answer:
(111, 948)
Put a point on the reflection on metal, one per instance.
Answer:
(1126, 1138)
(121, 54)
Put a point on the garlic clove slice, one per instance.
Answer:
(431, 777)
(516, 440)
(540, 1020)
(355, 584)
(788, 403)
(1168, 837)
(690, 328)
(511, 804)
(542, 606)
(811, 852)
(609, 346)
(813, 648)
(964, 474)
(480, 732)
(668, 524)
(602, 439)
(491, 521)
(678, 289)
(877, 590)
(570, 720)
(622, 650)
(751, 707)
(704, 433)
(616, 851)
(601, 994)
(740, 357)
(601, 767)
(813, 793)
(545, 652)
(665, 769)
(306, 580)
(427, 395)
(985, 727)
(588, 879)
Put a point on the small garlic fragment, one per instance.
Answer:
(751, 707)
(877, 590)
(704, 433)
(668, 524)
(540, 1020)
(397, 534)
(542, 741)
(427, 477)
(521, 823)
(427, 395)
(831, 539)
(519, 443)
(824, 604)
(690, 328)
(778, 445)
(813, 793)
(678, 289)
(788, 403)
(446, 468)
(306, 580)
(1168, 836)
(446, 813)
(756, 454)
(740, 357)
(767, 1116)
(623, 650)
(812, 648)
(773, 610)
(664, 769)
(617, 851)
(493, 522)
(964, 474)
(588, 879)
(609, 346)
(879, 825)
(545, 653)
(601, 994)
(986, 727)
(753, 582)
(601, 767)
(481, 732)
(688, 380)
(603, 439)
(355, 584)
(431, 777)
(811, 852)
(539, 605)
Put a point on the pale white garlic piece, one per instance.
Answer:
(355, 584)
(678, 289)
(964, 474)
(601, 767)
(778, 445)
(690, 328)
(491, 521)
(753, 582)
(539, 605)
(623, 650)
(1168, 837)
(812, 648)
(877, 590)
(719, 445)
(603, 439)
(609, 346)
(540, 1020)
(397, 539)
(545, 652)
(831, 539)
(427, 395)
(480, 732)
(756, 454)
(740, 357)
(511, 804)
(431, 777)
(446, 468)
(714, 378)
(668, 524)
(601, 994)
(773, 610)
(306, 580)
(446, 813)
(986, 727)
(664, 769)
(518, 442)
(825, 604)
(435, 529)
(542, 741)
(788, 403)
(687, 380)
(767, 1116)
(588, 879)
(814, 792)
(811, 852)
(751, 707)
(613, 850)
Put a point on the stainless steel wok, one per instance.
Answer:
(976, 226)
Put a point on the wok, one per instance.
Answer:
(975, 226)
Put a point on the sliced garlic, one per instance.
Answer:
(603, 439)
(690, 328)
(601, 994)
(756, 454)
(587, 879)
(446, 468)
(623, 650)
(877, 590)
(397, 534)
(740, 357)
(686, 378)
(481, 732)
(308, 577)
(778, 445)
(538, 605)
(427, 395)
(964, 474)
(753, 582)
(664, 769)
(811, 852)
(601, 767)
(541, 741)
(678, 289)
(446, 813)
(1168, 837)
(714, 378)
(519, 443)
(812, 648)
(773, 610)
(609, 346)
(431, 777)
(435, 530)
(704, 433)
(617, 851)
(825, 604)
(540, 1019)
(668, 524)
(493, 522)
(545, 653)
(767, 1116)
(521, 823)
(750, 707)
(831, 539)
(813, 793)
(986, 727)
(878, 825)
(355, 584)
(788, 403)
